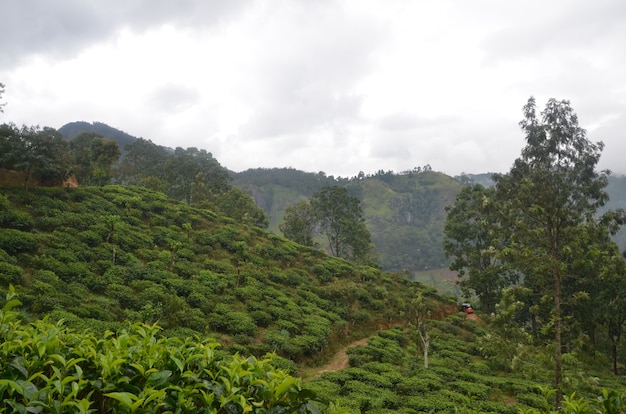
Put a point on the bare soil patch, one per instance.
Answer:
(339, 361)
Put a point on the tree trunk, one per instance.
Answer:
(614, 352)
(425, 338)
(558, 370)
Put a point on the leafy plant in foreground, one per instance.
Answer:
(47, 368)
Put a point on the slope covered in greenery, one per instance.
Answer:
(48, 368)
(72, 129)
(404, 212)
(473, 367)
(97, 256)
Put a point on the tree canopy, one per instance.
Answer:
(38, 153)
(541, 221)
(336, 215)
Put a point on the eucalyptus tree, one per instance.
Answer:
(144, 164)
(472, 236)
(340, 219)
(192, 168)
(299, 223)
(337, 216)
(545, 201)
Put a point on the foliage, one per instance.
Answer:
(386, 374)
(93, 158)
(299, 223)
(38, 153)
(471, 235)
(107, 254)
(48, 368)
(540, 226)
(404, 212)
(339, 218)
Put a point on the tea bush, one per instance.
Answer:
(46, 368)
(15, 241)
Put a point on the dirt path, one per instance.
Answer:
(339, 361)
(472, 316)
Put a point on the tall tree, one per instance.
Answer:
(299, 223)
(144, 164)
(188, 168)
(93, 158)
(340, 219)
(472, 236)
(39, 153)
(551, 191)
(233, 203)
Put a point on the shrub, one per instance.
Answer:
(233, 322)
(261, 318)
(471, 389)
(9, 274)
(135, 370)
(15, 241)
(533, 400)
(418, 386)
(16, 220)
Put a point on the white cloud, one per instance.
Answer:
(339, 86)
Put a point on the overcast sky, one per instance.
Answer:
(320, 85)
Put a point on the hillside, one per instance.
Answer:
(404, 212)
(72, 129)
(100, 257)
(97, 256)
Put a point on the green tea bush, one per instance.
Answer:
(15, 219)
(492, 407)
(9, 274)
(15, 241)
(45, 368)
(377, 349)
(456, 356)
(418, 386)
(533, 400)
(226, 320)
(261, 318)
(430, 404)
(472, 389)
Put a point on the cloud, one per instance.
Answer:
(332, 85)
(307, 63)
(172, 98)
(62, 28)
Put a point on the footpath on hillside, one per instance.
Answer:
(340, 360)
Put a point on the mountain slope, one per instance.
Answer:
(96, 256)
(405, 213)
(72, 129)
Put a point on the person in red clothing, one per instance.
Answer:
(467, 308)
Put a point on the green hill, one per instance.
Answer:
(404, 212)
(97, 256)
(72, 129)
(101, 257)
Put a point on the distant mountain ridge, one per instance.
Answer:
(72, 129)
(405, 212)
